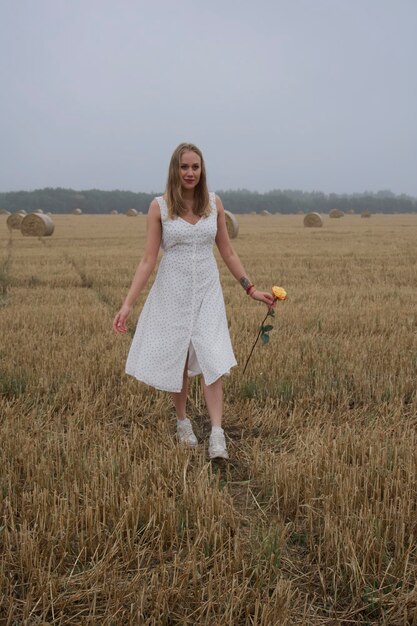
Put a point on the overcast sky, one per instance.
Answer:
(288, 94)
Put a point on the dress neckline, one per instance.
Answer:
(181, 218)
(190, 223)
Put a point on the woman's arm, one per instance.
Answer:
(232, 260)
(145, 267)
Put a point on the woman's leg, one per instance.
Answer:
(213, 395)
(214, 399)
(180, 399)
(185, 433)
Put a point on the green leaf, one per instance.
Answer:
(266, 329)
(265, 338)
(271, 313)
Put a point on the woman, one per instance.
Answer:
(182, 330)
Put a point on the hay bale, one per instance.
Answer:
(351, 212)
(14, 221)
(131, 213)
(114, 212)
(313, 220)
(336, 213)
(365, 214)
(22, 212)
(77, 212)
(265, 213)
(37, 225)
(4, 212)
(232, 224)
(37, 211)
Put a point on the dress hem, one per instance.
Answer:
(225, 373)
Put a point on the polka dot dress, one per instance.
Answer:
(184, 312)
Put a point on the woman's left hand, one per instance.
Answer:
(264, 296)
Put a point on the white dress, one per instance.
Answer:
(184, 311)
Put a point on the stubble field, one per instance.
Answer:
(106, 520)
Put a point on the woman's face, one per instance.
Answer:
(190, 170)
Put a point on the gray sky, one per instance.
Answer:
(290, 94)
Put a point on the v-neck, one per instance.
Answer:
(190, 223)
(181, 218)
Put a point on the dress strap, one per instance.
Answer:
(212, 201)
(162, 207)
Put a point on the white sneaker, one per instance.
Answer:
(185, 433)
(217, 445)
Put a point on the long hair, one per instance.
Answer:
(173, 190)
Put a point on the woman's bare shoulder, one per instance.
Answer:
(219, 203)
(154, 210)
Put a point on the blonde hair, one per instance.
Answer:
(175, 201)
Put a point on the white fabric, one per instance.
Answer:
(184, 311)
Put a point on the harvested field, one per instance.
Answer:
(107, 521)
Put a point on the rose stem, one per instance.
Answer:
(256, 341)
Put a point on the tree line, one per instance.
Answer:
(59, 200)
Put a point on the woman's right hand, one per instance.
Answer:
(264, 296)
(119, 322)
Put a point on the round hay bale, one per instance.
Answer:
(4, 212)
(265, 212)
(114, 212)
(232, 224)
(351, 212)
(22, 212)
(365, 214)
(131, 213)
(37, 225)
(313, 220)
(37, 211)
(336, 213)
(14, 220)
(77, 212)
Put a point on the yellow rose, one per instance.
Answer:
(279, 293)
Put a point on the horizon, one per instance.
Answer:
(383, 193)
